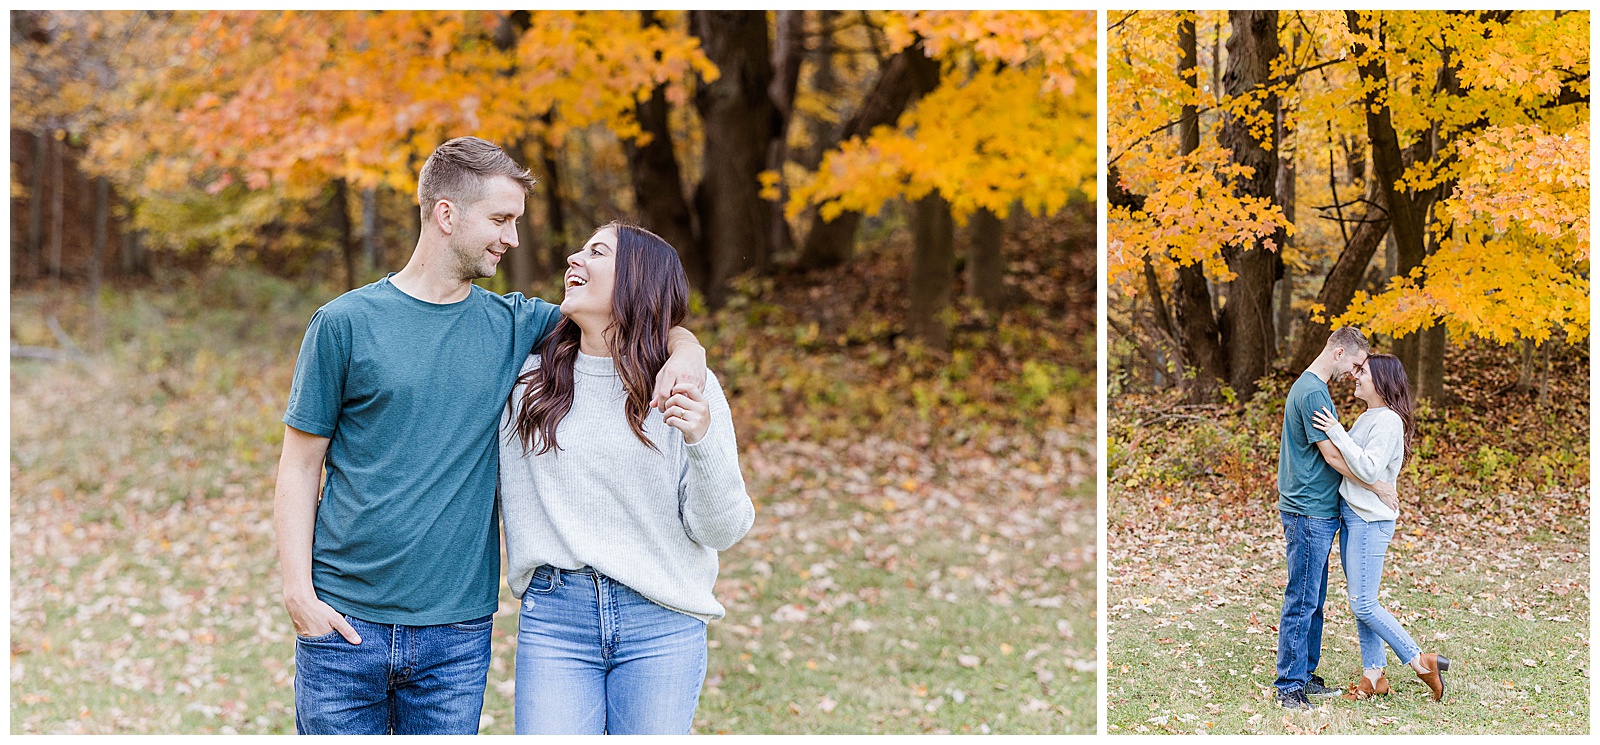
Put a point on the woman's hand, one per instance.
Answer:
(687, 410)
(1325, 420)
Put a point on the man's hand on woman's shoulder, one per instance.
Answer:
(686, 365)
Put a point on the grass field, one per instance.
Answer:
(893, 583)
(1489, 567)
(1193, 606)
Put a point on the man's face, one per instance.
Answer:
(487, 228)
(1349, 361)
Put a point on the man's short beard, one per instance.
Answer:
(465, 268)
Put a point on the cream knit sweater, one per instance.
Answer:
(653, 521)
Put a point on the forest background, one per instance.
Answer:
(887, 221)
(1423, 176)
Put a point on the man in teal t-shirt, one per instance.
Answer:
(1309, 471)
(391, 578)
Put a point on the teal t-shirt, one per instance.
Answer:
(409, 394)
(1307, 485)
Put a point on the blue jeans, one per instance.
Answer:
(595, 657)
(1361, 549)
(1310, 540)
(403, 680)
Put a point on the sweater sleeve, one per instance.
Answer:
(712, 502)
(1368, 463)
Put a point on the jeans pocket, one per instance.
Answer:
(475, 626)
(328, 637)
(543, 582)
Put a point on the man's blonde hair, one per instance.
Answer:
(460, 168)
(1348, 337)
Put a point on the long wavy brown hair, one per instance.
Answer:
(1389, 381)
(649, 297)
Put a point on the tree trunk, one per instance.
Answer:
(41, 160)
(1387, 166)
(1545, 351)
(343, 231)
(1339, 286)
(906, 77)
(523, 263)
(369, 227)
(58, 220)
(1246, 320)
(740, 122)
(555, 213)
(102, 210)
(986, 265)
(1285, 192)
(658, 182)
(933, 263)
(1216, 64)
(824, 83)
(787, 53)
(1196, 322)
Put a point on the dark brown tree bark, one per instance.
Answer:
(36, 198)
(740, 122)
(787, 53)
(658, 182)
(906, 77)
(97, 252)
(824, 83)
(933, 263)
(524, 263)
(1246, 319)
(1387, 162)
(369, 228)
(1196, 323)
(1286, 201)
(986, 266)
(1341, 282)
(555, 209)
(343, 231)
(58, 197)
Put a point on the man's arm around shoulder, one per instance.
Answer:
(687, 364)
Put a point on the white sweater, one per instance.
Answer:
(1374, 449)
(653, 521)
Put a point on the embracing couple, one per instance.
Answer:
(1335, 482)
(436, 408)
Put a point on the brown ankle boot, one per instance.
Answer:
(1435, 679)
(1365, 689)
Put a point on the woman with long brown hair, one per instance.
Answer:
(1375, 448)
(615, 511)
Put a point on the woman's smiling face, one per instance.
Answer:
(591, 275)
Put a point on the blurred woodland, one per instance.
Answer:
(754, 142)
(1421, 175)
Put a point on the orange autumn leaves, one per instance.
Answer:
(301, 95)
(1012, 121)
(1509, 244)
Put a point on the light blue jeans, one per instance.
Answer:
(1362, 546)
(595, 657)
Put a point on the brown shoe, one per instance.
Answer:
(1365, 689)
(1434, 679)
